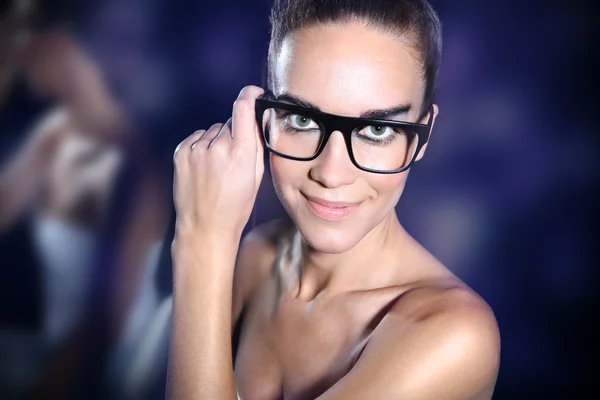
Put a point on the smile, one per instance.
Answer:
(331, 210)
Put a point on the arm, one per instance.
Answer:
(249, 271)
(21, 180)
(450, 352)
(217, 175)
(200, 365)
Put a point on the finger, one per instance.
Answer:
(225, 128)
(244, 124)
(194, 137)
(187, 142)
(210, 134)
(198, 138)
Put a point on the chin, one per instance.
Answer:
(327, 237)
(324, 236)
(326, 241)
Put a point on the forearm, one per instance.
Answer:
(200, 364)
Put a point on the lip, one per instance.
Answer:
(331, 210)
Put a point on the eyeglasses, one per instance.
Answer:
(374, 145)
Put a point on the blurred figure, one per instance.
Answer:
(99, 199)
(65, 170)
(63, 174)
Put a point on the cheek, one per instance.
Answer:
(389, 188)
(278, 170)
(287, 175)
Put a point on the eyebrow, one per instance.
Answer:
(385, 113)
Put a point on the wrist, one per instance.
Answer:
(186, 240)
(193, 234)
(203, 253)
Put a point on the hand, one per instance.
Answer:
(218, 173)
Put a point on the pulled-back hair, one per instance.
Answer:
(414, 21)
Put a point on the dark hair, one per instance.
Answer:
(414, 20)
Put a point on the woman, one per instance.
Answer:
(340, 302)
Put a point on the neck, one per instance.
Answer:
(365, 266)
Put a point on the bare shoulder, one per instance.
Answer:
(439, 341)
(443, 309)
(448, 300)
(443, 341)
(256, 255)
(451, 311)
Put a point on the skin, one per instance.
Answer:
(371, 314)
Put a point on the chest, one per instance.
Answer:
(296, 350)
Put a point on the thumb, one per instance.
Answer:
(244, 117)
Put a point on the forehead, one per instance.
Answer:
(348, 68)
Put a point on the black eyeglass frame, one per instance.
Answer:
(330, 123)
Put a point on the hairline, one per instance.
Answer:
(405, 36)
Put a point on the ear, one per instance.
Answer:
(424, 148)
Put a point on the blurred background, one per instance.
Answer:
(94, 97)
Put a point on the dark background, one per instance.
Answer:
(506, 196)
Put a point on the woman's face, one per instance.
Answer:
(345, 69)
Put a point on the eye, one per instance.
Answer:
(375, 132)
(378, 134)
(378, 130)
(300, 121)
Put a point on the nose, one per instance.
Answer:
(333, 167)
